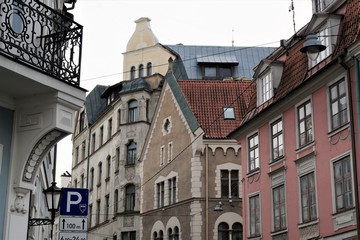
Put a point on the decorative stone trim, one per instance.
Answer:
(39, 151)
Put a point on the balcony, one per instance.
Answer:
(40, 37)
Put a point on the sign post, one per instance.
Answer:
(73, 214)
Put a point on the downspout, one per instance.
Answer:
(353, 134)
(88, 158)
(207, 192)
(357, 85)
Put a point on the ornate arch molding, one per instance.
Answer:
(225, 148)
(40, 149)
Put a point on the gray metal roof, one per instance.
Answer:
(246, 57)
(94, 104)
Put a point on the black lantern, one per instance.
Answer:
(53, 195)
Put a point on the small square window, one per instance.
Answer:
(229, 113)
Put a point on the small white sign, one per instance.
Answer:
(72, 236)
(78, 224)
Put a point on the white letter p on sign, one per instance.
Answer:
(72, 202)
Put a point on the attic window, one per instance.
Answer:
(229, 113)
(266, 88)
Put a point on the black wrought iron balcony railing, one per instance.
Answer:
(39, 36)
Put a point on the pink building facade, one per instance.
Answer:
(300, 139)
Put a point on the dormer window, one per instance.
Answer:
(327, 28)
(266, 88)
(268, 75)
(217, 66)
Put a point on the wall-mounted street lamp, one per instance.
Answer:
(52, 196)
(218, 207)
(312, 47)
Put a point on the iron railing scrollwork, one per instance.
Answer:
(37, 35)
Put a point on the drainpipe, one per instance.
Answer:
(357, 83)
(207, 192)
(88, 158)
(353, 134)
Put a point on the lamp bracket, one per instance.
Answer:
(39, 221)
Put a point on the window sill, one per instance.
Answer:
(279, 232)
(339, 130)
(305, 146)
(276, 161)
(253, 172)
(307, 224)
(255, 237)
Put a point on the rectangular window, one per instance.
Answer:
(107, 205)
(229, 183)
(91, 179)
(109, 128)
(170, 151)
(101, 137)
(83, 148)
(253, 155)
(305, 123)
(90, 215)
(93, 138)
(76, 155)
(277, 140)
(266, 88)
(98, 212)
(279, 208)
(254, 213)
(162, 155)
(82, 121)
(308, 197)
(82, 179)
(160, 194)
(343, 184)
(117, 160)
(118, 117)
(172, 190)
(338, 104)
(128, 235)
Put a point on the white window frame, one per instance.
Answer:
(256, 168)
(297, 123)
(332, 130)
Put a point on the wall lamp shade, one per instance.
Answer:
(312, 47)
(218, 207)
(53, 195)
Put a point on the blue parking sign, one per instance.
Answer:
(74, 202)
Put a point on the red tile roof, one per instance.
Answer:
(296, 71)
(208, 98)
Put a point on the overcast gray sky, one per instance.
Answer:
(109, 24)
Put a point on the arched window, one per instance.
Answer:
(161, 235)
(176, 233)
(236, 231)
(155, 235)
(149, 69)
(131, 153)
(132, 111)
(223, 231)
(141, 70)
(132, 72)
(130, 198)
(170, 234)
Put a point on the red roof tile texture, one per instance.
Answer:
(208, 98)
(296, 70)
